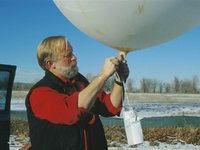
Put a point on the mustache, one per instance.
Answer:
(74, 63)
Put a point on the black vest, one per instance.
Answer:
(45, 135)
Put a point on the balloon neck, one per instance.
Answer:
(122, 55)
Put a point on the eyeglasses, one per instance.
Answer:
(68, 55)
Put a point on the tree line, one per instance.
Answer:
(147, 85)
(20, 86)
(175, 86)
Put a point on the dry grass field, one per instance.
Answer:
(141, 97)
(163, 98)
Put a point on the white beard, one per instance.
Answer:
(67, 72)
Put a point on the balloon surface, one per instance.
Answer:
(129, 25)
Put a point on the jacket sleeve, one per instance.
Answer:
(55, 107)
(105, 106)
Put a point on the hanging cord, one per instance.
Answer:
(125, 89)
(125, 94)
(126, 98)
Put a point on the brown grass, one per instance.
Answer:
(172, 135)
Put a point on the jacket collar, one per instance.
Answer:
(52, 77)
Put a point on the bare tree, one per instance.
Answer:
(167, 88)
(130, 85)
(146, 85)
(89, 76)
(176, 85)
(186, 86)
(160, 85)
(195, 82)
(154, 84)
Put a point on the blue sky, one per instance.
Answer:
(24, 23)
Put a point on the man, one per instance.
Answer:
(63, 108)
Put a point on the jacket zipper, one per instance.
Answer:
(85, 139)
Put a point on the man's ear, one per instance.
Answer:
(53, 65)
(50, 64)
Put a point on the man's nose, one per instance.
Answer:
(73, 58)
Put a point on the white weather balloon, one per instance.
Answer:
(129, 25)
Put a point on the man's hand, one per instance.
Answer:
(26, 147)
(122, 71)
(111, 65)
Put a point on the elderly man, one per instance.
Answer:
(63, 108)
